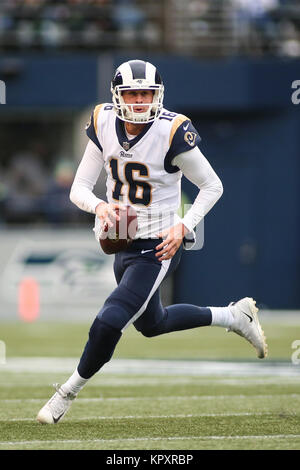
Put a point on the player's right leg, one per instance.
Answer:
(140, 276)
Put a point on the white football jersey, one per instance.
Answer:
(139, 170)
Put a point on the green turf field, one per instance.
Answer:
(205, 407)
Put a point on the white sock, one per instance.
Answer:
(221, 316)
(74, 384)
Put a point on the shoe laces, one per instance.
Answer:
(67, 396)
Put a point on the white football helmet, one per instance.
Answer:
(137, 75)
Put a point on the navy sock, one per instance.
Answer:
(181, 317)
(99, 349)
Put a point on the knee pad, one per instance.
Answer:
(120, 307)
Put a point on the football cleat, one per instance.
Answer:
(246, 324)
(56, 407)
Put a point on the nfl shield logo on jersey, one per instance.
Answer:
(126, 145)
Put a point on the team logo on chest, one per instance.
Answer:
(125, 155)
(126, 146)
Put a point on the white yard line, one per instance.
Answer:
(145, 417)
(104, 380)
(155, 367)
(160, 398)
(161, 439)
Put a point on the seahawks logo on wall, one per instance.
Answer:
(190, 138)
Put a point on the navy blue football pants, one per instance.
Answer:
(136, 300)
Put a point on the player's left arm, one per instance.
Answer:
(198, 170)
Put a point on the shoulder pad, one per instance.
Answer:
(92, 126)
(183, 137)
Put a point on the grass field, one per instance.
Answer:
(210, 393)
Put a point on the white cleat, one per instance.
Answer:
(246, 324)
(56, 407)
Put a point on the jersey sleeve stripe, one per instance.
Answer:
(96, 114)
(177, 122)
(92, 128)
(183, 139)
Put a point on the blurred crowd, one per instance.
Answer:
(268, 25)
(69, 24)
(168, 25)
(32, 193)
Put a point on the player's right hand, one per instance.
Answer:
(106, 212)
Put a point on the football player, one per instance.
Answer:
(145, 149)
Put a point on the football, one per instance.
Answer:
(120, 236)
